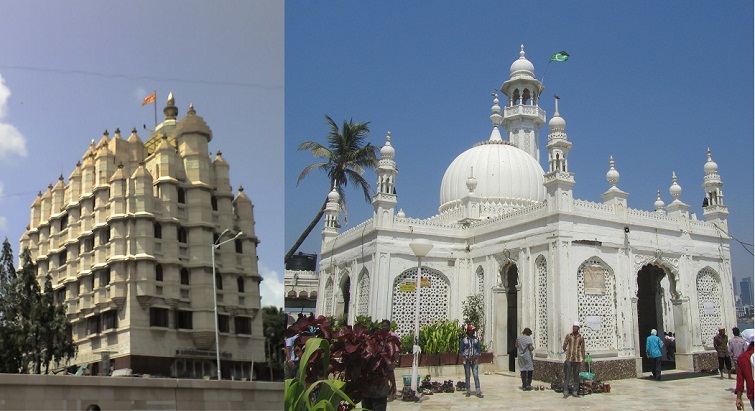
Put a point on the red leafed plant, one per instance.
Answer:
(358, 356)
(363, 358)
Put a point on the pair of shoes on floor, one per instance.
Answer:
(467, 394)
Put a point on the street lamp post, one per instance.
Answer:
(420, 247)
(215, 246)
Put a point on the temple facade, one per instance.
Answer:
(130, 241)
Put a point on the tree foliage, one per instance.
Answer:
(34, 331)
(473, 310)
(345, 157)
(273, 326)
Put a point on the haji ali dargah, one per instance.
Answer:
(508, 227)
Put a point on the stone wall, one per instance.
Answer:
(52, 392)
(604, 370)
(705, 361)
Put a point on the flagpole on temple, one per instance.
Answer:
(155, 104)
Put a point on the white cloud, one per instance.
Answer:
(11, 140)
(271, 288)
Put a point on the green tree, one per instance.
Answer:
(473, 310)
(34, 331)
(345, 158)
(273, 326)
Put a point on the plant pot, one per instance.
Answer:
(449, 358)
(426, 360)
(405, 360)
(486, 357)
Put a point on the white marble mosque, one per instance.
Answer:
(510, 229)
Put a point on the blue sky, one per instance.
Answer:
(70, 70)
(652, 83)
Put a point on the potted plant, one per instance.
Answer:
(308, 390)
(406, 357)
(355, 356)
(485, 356)
(428, 342)
(448, 337)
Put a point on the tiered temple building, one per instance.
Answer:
(127, 241)
(510, 229)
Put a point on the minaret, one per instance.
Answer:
(558, 180)
(384, 200)
(714, 210)
(332, 211)
(522, 116)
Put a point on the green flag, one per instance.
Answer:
(560, 56)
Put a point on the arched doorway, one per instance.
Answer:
(650, 309)
(511, 277)
(342, 307)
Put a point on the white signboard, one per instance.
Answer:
(709, 308)
(594, 322)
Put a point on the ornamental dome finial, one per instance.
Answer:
(612, 175)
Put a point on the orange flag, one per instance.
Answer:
(149, 99)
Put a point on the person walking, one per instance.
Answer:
(653, 346)
(737, 345)
(470, 351)
(524, 349)
(574, 348)
(745, 365)
(721, 344)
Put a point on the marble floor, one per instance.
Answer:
(676, 391)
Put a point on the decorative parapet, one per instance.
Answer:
(512, 214)
(590, 205)
(525, 110)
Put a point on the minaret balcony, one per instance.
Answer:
(526, 111)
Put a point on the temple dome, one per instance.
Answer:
(502, 172)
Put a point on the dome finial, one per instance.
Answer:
(521, 51)
(170, 110)
(612, 175)
(675, 190)
(496, 117)
(659, 204)
(556, 114)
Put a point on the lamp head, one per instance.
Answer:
(420, 247)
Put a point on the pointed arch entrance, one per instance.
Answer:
(650, 303)
(506, 297)
(344, 300)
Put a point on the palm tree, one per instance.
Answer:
(346, 157)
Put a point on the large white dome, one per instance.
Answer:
(503, 173)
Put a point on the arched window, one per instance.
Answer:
(158, 230)
(181, 196)
(240, 283)
(214, 203)
(158, 272)
(219, 281)
(184, 276)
